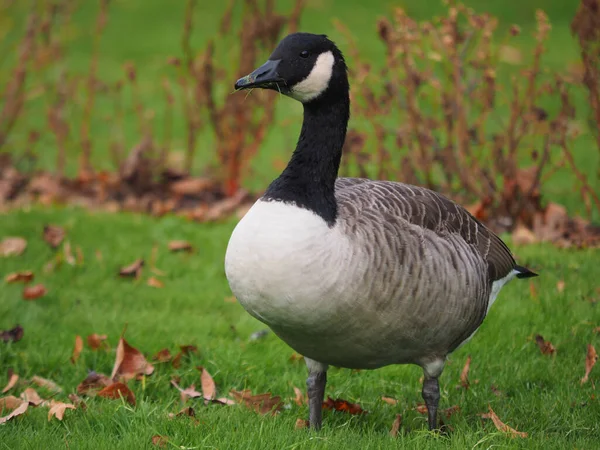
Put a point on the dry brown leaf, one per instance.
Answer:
(464, 375)
(12, 380)
(159, 441)
(223, 401)
(523, 236)
(299, 398)
(343, 406)
(77, 349)
(180, 246)
(590, 360)
(13, 335)
(132, 270)
(117, 390)
(25, 276)
(162, 356)
(421, 408)
(261, 403)
(533, 290)
(34, 292)
(187, 411)
(9, 403)
(209, 389)
(95, 341)
(57, 409)
(92, 383)
(53, 235)
(501, 426)
(560, 286)
(396, 425)
(31, 396)
(68, 254)
(77, 401)
(45, 383)
(12, 246)
(301, 423)
(186, 393)
(19, 409)
(155, 282)
(448, 412)
(185, 350)
(129, 362)
(390, 400)
(546, 347)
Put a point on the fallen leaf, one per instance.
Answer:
(189, 392)
(58, 410)
(390, 400)
(532, 290)
(26, 276)
(117, 390)
(132, 270)
(187, 411)
(95, 341)
(159, 441)
(34, 292)
(129, 362)
(448, 412)
(45, 383)
(30, 395)
(523, 236)
(464, 375)
(9, 402)
(560, 286)
(343, 406)
(501, 426)
(68, 254)
(77, 401)
(396, 425)
(421, 408)
(180, 246)
(209, 389)
(12, 246)
(299, 399)
(19, 409)
(590, 360)
(92, 383)
(155, 282)
(77, 349)
(546, 347)
(12, 380)
(223, 401)
(295, 357)
(53, 235)
(162, 356)
(185, 350)
(301, 423)
(261, 403)
(13, 335)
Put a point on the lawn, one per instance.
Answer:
(538, 394)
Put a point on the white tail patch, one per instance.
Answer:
(317, 80)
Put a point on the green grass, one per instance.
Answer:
(542, 395)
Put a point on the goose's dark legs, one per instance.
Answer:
(431, 395)
(315, 388)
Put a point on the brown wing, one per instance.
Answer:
(430, 210)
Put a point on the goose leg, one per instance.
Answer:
(431, 395)
(315, 387)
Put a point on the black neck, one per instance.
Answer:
(308, 181)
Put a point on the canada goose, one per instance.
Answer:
(352, 272)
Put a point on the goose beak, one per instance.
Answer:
(266, 76)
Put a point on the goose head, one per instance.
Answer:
(306, 67)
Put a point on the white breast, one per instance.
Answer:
(279, 265)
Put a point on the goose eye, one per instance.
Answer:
(304, 54)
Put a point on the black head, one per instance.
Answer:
(304, 66)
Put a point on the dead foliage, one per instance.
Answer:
(132, 270)
(163, 356)
(186, 393)
(25, 276)
(32, 397)
(93, 383)
(261, 403)
(160, 441)
(180, 246)
(591, 358)
(116, 391)
(155, 283)
(184, 351)
(12, 381)
(77, 349)
(500, 426)
(34, 292)
(464, 374)
(209, 388)
(299, 397)
(546, 347)
(57, 409)
(46, 384)
(390, 400)
(13, 335)
(54, 235)
(343, 406)
(396, 425)
(16, 406)
(97, 341)
(12, 246)
(301, 424)
(129, 363)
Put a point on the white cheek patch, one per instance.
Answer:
(317, 80)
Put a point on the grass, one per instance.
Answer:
(541, 394)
